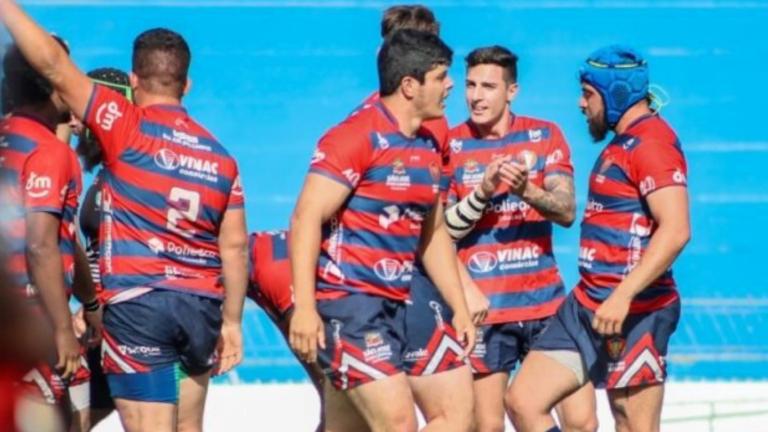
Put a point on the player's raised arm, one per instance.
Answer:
(47, 57)
(321, 197)
(439, 258)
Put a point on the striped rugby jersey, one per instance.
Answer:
(269, 272)
(38, 173)
(618, 224)
(509, 252)
(166, 185)
(370, 245)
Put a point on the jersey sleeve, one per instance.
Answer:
(657, 164)
(47, 179)
(343, 154)
(236, 194)
(558, 155)
(112, 119)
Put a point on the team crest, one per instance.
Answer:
(456, 145)
(470, 166)
(398, 167)
(528, 159)
(616, 347)
(373, 339)
(434, 171)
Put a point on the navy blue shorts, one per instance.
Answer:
(500, 347)
(431, 345)
(636, 358)
(365, 338)
(153, 340)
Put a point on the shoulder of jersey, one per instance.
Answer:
(460, 131)
(525, 122)
(190, 127)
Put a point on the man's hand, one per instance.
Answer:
(465, 333)
(78, 323)
(306, 333)
(229, 350)
(609, 317)
(68, 352)
(492, 177)
(515, 176)
(477, 302)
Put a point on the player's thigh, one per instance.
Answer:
(446, 394)
(637, 409)
(387, 404)
(489, 401)
(340, 413)
(193, 391)
(578, 411)
(541, 383)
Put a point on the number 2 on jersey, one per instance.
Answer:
(185, 204)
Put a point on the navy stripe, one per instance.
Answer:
(145, 198)
(366, 274)
(385, 242)
(614, 172)
(618, 204)
(370, 205)
(417, 176)
(519, 137)
(493, 236)
(147, 162)
(650, 293)
(137, 249)
(279, 246)
(166, 134)
(528, 298)
(610, 236)
(18, 143)
(396, 140)
(328, 174)
(601, 268)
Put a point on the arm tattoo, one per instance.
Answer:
(556, 201)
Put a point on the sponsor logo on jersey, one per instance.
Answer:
(456, 145)
(38, 186)
(107, 114)
(186, 165)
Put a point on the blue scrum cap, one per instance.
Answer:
(620, 75)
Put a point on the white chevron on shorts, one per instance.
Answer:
(347, 361)
(645, 358)
(447, 343)
(107, 351)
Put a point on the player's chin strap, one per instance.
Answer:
(460, 218)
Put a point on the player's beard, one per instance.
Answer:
(598, 127)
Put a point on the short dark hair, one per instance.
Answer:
(408, 17)
(22, 85)
(495, 55)
(87, 147)
(161, 59)
(409, 53)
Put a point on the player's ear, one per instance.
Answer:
(408, 87)
(187, 86)
(512, 90)
(133, 80)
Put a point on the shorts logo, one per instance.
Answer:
(456, 145)
(167, 159)
(107, 114)
(388, 269)
(483, 262)
(373, 339)
(38, 186)
(615, 346)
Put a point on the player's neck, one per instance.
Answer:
(408, 121)
(147, 100)
(45, 114)
(631, 116)
(496, 130)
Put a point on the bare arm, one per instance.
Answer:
(47, 57)
(83, 287)
(555, 201)
(319, 200)
(233, 247)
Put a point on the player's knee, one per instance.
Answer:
(399, 422)
(518, 405)
(489, 425)
(585, 422)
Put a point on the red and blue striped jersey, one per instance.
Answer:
(509, 252)
(270, 273)
(166, 185)
(38, 173)
(438, 128)
(370, 245)
(618, 224)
